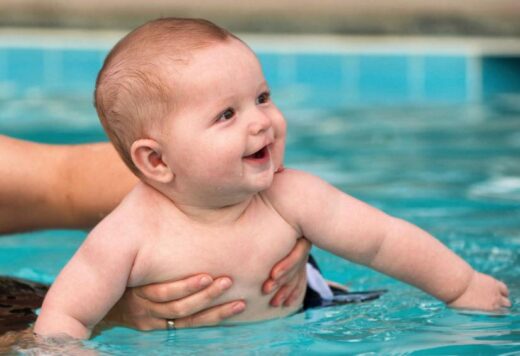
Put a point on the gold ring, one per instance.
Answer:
(170, 324)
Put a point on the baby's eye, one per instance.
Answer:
(263, 98)
(226, 115)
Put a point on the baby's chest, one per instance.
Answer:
(246, 251)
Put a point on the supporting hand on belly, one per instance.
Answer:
(288, 276)
(186, 301)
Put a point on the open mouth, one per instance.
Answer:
(258, 154)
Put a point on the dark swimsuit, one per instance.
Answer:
(320, 294)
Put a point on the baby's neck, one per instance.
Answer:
(206, 209)
(209, 215)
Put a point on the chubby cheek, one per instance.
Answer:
(280, 132)
(218, 161)
(278, 154)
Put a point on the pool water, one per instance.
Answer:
(451, 168)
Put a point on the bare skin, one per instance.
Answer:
(36, 172)
(88, 195)
(215, 177)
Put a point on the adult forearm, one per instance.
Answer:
(94, 181)
(27, 174)
(58, 186)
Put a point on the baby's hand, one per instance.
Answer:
(483, 293)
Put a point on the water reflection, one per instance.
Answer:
(454, 171)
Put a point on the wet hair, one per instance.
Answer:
(132, 92)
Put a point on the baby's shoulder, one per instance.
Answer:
(292, 182)
(290, 191)
(132, 217)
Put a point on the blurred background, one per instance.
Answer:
(410, 105)
(387, 52)
(444, 17)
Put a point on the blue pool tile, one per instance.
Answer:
(500, 75)
(350, 79)
(326, 80)
(80, 67)
(319, 71)
(269, 62)
(3, 65)
(280, 73)
(383, 79)
(25, 67)
(445, 79)
(321, 76)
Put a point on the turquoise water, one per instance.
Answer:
(451, 168)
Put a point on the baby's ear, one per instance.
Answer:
(147, 157)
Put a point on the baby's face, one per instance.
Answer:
(225, 134)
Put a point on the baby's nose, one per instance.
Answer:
(260, 123)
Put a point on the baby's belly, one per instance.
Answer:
(257, 304)
(248, 264)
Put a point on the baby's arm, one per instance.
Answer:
(89, 285)
(356, 231)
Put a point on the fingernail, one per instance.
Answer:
(272, 287)
(204, 281)
(238, 307)
(225, 283)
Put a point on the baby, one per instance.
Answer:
(187, 107)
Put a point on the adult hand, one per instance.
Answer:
(185, 301)
(289, 276)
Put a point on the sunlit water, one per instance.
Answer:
(455, 171)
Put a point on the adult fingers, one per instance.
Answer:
(168, 291)
(285, 270)
(207, 317)
(291, 290)
(280, 296)
(212, 316)
(288, 277)
(297, 256)
(297, 291)
(337, 285)
(191, 304)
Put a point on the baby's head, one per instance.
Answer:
(173, 83)
(134, 92)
